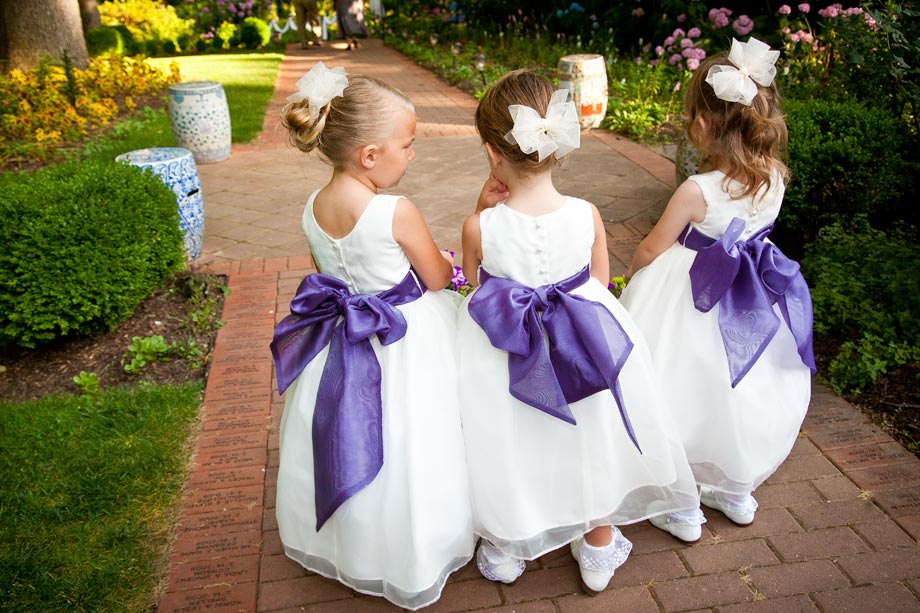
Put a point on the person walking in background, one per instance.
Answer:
(306, 15)
(350, 15)
(727, 316)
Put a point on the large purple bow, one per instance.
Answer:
(348, 418)
(746, 278)
(587, 345)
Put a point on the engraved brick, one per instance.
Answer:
(208, 501)
(218, 598)
(232, 440)
(203, 573)
(895, 476)
(899, 502)
(226, 478)
(847, 435)
(231, 457)
(866, 456)
(219, 522)
(216, 545)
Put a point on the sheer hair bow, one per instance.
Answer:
(320, 85)
(753, 63)
(559, 132)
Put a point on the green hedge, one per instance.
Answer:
(866, 291)
(254, 33)
(83, 245)
(846, 160)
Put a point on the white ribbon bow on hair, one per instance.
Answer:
(752, 61)
(319, 86)
(559, 132)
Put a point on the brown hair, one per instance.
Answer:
(493, 119)
(749, 141)
(359, 116)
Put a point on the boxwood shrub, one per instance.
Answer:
(83, 245)
(866, 293)
(846, 160)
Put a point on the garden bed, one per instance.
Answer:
(33, 374)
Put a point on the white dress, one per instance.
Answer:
(536, 481)
(735, 438)
(402, 535)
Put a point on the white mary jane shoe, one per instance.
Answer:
(496, 565)
(597, 564)
(738, 509)
(686, 526)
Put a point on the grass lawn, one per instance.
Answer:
(248, 80)
(88, 490)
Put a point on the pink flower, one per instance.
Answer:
(693, 63)
(638, 12)
(686, 42)
(831, 11)
(743, 25)
(804, 7)
(682, 18)
(659, 50)
(784, 10)
(669, 41)
(678, 32)
(720, 21)
(694, 33)
(675, 59)
(677, 86)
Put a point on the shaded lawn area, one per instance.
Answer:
(88, 490)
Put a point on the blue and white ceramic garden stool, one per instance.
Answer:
(176, 168)
(200, 119)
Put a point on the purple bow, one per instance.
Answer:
(348, 418)
(746, 278)
(587, 345)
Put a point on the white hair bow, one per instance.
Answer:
(752, 61)
(559, 132)
(319, 86)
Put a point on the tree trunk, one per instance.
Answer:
(89, 14)
(36, 28)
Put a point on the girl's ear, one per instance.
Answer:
(368, 156)
(495, 158)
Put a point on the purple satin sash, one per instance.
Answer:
(587, 345)
(348, 418)
(746, 278)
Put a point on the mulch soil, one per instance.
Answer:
(32, 374)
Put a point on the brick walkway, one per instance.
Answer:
(839, 521)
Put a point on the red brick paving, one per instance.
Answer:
(837, 530)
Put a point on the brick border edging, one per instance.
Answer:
(216, 558)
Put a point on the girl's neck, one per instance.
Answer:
(533, 194)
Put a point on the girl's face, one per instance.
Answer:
(394, 156)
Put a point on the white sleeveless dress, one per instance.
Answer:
(402, 535)
(538, 482)
(735, 438)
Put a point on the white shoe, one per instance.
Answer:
(739, 509)
(496, 565)
(686, 526)
(597, 564)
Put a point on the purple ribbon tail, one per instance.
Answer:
(746, 278)
(347, 425)
(348, 414)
